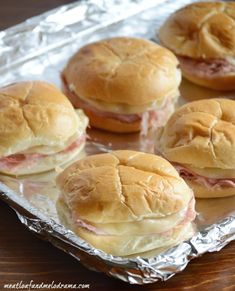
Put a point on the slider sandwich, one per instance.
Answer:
(202, 35)
(123, 84)
(199, 140)
(125, 202)
(39, 128)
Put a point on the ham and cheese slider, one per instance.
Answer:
(199, 140)
(123, 84)
(202, 35)
(39, 129)
(125, 202)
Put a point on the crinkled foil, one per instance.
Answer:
(39, 49)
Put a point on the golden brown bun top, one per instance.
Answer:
(201, 30)
(123, 70)
(34, 114)
(122, 186)
(200, 134)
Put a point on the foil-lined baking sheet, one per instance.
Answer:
(39, 49)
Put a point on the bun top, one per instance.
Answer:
(122, 186)
(123, 70)
(34, 114)
(200, 134)
(201, 30)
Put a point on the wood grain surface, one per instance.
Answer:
(24, 257)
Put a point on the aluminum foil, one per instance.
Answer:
(39, 49)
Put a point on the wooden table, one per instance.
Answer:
(24, 257)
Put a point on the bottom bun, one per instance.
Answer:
(201, 191)
(128, 245)
(223, 82)
(44, 164)
(189, 231)
(111, 124)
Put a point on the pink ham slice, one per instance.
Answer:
(12, 162)
(206, 68)
(156, 118)
(210, 183)
(90, 227)
(128, 118)
(190, 214)
(17, 160)
(75, 144)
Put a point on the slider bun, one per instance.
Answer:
(45, 164)
(122, 193)
(200, 134)
(111, 124)
(122, 186)
(221, 82)
(201, 30)
(34, 114)
(125, 245)
(201, 191)
(124, 71)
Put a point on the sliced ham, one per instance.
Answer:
(158, 117)
(128, 118)
(75, 144)
(190, 214)
(90, 227)
(19, 158)
(12, 162)
(206, 67)
(210, 183)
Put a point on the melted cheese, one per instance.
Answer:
(125, 108)
(145, 226)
